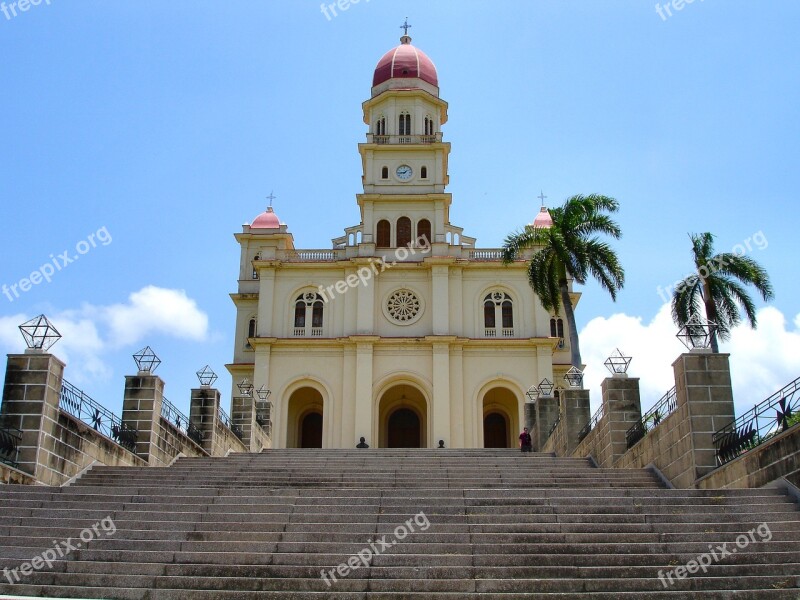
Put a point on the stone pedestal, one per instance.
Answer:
(31, 396)
(547, 409)
(622, 409)
(577, 413)
(204, 413)
(703, 387)
(244, 414)
(141, 411)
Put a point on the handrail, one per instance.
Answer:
(653, 417)
(76, 403)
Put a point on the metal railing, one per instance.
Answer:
(74, 402)
(555, 424)
(652, 418)
(226, 421)
(10, 438)
(587, 429)
(179, 420)
(761, 423)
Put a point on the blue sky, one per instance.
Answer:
(161, 127)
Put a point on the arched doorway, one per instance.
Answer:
(495, 431)
(501, 421)
(404, 429)
(403, 418)
(304, 419)
(311, 430)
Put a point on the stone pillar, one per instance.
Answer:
(577, 414)
(243, 414)
(622, 409)
(204, 413)
(266, 287)
(365, 317)
(546, 414)
(364, 404)
(30, 403)
(141, 411)
(441, 394)
(703, 387)
(457, 403)
(440, 300)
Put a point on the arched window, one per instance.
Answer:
(385, 173)
(557, 330)
(424, 233)
(251, 332)
(428, 125)
(423, 172)
(508, 314)
(404, 123)
(380, 126)
(308, 309)
(488, 314)
(384, 234)
(498, 308)
(403, 232)
(255, 271)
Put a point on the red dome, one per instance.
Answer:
(405, 61)
(266, 220)
(543, 219)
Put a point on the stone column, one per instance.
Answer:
(31, 396)
(365, 317)
(141, 411)
(457, 400)
(204, 413)
(622, 409)
(440, 300)
(703, 386)
(266, 287)
(364, 425)
(546, 414)
(577, 414)
(243, 414)
(441, 394)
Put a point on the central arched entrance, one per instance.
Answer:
(403, 418)
(404, 429)
(501, 422)
(495, 430)
(304, 419)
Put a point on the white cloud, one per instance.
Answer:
(154, 310)
(90, 333)
(762, 360)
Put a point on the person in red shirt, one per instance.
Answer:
(525, 442)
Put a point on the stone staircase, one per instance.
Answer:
(479, 523)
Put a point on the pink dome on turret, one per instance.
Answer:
(543, 220)
(405, 61)
(266, 220)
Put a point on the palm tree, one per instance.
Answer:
(714, 284)
(570, 248)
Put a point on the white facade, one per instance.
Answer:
(402, 344)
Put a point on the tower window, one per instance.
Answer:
(380, 126)
(428, 125)
(404, 123)
(308, 308)
(424, 232)
(498, 308)
(557, 330)
(423, 172)
(384, 234)
(403, 232)
(385, 173)
(251, 331)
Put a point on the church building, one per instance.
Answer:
(403, 332)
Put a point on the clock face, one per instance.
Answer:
(404, 172)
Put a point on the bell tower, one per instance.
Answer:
(404, 161)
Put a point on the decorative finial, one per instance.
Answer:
(271, 197)
(542, 197)
(405, 27)
(39, 334)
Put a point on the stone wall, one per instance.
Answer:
(779, 457)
